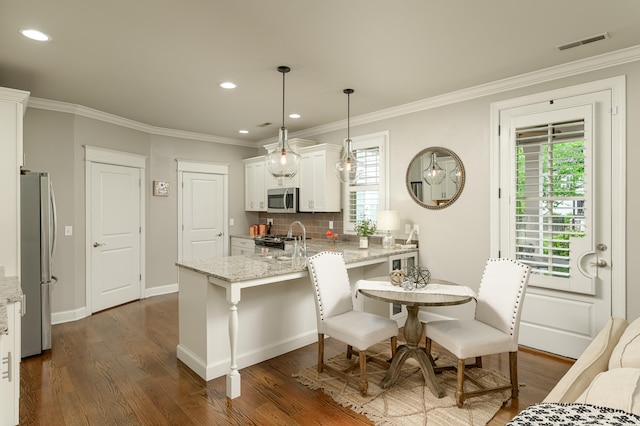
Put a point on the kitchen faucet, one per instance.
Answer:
(304, 235)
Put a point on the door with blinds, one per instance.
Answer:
(555, 216)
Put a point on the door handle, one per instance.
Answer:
(601, 263)
(220, 234)
(98, 244)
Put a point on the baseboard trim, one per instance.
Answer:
(221, 367)
(160, 290)
(69, 316)
(80, 313)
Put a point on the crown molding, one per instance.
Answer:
(594, 63)
(131, 124)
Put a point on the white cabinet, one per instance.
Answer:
(242, 246)
(319, 186)
(255, 193)
(10, 367)
(12, 107)
(257, 180)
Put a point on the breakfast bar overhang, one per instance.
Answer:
(237, 311)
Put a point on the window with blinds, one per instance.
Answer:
(550, 195)
(363, 198)
(364, 194)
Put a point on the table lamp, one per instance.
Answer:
(388, 220)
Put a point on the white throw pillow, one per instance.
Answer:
(627, 351)
(618, 388)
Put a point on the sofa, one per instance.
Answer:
(601, 387)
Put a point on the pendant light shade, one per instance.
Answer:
(283, 162)
(434, 174)
(348, 168)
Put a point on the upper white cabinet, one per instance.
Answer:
(12, 107)
(319, 186)
(255, 193)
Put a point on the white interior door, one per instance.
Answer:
(556, 216)
(203, 213)
(115, 235)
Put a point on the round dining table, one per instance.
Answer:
(413, 329)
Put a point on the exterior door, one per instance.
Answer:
(556, 216)
(203, 211)
(115, 214)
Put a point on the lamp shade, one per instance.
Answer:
(388, 220)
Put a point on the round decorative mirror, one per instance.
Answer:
(435, 177)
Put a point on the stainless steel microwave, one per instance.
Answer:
(282, 200)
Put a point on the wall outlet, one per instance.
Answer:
(407, 228)
(330, 224)
(270, 221)
(416, 228)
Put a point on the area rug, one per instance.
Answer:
(409, 401)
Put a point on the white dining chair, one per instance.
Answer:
(493, 330)
(336, 318)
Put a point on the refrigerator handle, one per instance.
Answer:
(54, 217)
(45, 229)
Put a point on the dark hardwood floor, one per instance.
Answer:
(119, 367)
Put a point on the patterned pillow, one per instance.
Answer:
(626, 353)
(618, 388)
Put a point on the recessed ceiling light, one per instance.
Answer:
(228, 85)
(243, 131)
(35, 35)
(294, 115)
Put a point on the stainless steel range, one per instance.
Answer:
(274, 242)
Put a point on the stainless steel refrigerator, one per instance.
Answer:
(38, 227)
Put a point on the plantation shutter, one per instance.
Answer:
(551, 207)
(364, 194)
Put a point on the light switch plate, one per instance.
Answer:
(68, 230)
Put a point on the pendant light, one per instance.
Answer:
(434, 174)
(348, 168)
(283, 162)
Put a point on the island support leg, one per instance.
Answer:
(233, 377)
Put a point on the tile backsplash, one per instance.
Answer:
(315, 223)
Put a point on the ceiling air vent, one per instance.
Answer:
(584, 41)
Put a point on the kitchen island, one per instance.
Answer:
(218, 334)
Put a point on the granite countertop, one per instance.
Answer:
(255, 266)
(10, 292)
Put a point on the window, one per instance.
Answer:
(550, 195)
(368, 194)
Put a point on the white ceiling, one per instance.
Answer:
(159, 62)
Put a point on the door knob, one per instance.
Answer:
(97, 244)
(220, 235)
(601, 263)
